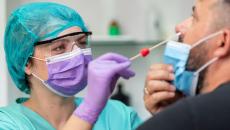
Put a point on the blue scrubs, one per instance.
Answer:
(115, 116)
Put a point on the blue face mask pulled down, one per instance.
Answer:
(177, 54)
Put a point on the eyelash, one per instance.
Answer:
(58, 48)
(83, 43)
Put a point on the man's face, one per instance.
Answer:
(198, 26)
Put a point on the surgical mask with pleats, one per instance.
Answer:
(67, 73)
(177, 54)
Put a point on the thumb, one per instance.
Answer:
(114, 57)
(121, 66)
(127, 73)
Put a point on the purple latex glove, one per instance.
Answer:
(103, 74)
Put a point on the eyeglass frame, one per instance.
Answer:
(54, 39)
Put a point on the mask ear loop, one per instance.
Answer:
(206, 65)
(201, 41)
(37, 77)
(194, 89)
(206, 38)
(37, 58)
(50, 88)
(40, 59)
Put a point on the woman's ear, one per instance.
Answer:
(223, 45)
(28, 68)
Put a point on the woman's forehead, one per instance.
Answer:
(70, 30)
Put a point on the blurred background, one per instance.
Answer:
(121, 26)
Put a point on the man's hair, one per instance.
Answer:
(227, 1)
(222, 17)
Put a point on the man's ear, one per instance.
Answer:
(223, 45)
(28, 68)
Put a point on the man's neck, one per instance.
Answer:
(55, 109)
(217, 74)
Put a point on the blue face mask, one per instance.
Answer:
(177, 54)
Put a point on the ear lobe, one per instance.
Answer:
(223, 48)
(28, 68)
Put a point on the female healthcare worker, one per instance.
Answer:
(47, 57)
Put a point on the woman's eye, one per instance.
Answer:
(82, 39)
(83, 43)
(59, 48)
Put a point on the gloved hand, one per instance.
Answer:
(103, 74)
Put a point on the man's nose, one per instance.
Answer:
(184, 26)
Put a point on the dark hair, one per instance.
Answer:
(227, 1)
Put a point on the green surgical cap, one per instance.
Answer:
(29, 24)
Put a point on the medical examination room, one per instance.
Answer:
(114, 64)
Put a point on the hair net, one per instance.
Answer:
(29, 24)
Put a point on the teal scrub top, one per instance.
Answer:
(115, 116)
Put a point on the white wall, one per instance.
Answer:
(133, 16)
(3, 73)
